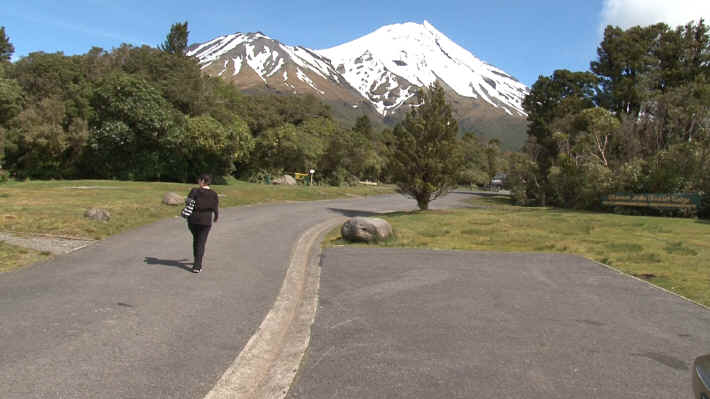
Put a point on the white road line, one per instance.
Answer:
(267, 365)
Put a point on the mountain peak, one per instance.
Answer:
(379, 73)
(256, 61)
(387, 67)
(402, 56)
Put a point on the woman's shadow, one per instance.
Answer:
(182, 263)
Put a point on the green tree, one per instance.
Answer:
(425, 158)
(579, 185)
(590, 135)
(551, 98)
(625, 59)
(639, 123)
(11, 104)
(43, 75)
(351, 155)
(364, 126)
(134, 131)
(524, 179)
(492, 158)
(263, 112)
(43, 142)
(473, 171)
(209, 146)
(636, 64)
(176, 41)
(179, 78)
(240, 140)
(287, 148)
(6, 48)
(11, 100)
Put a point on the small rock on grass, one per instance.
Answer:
(173, 199)
(98, 214)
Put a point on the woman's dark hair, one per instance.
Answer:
(205, 177)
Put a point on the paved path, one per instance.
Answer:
(397, 323)
(125, 318)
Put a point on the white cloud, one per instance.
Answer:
(628, 13)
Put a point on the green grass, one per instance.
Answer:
(12, 257)
(57, 207)
(673, 253)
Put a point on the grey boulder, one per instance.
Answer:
(173, 199)
(362, 229)
(98, 214)
(286, 180)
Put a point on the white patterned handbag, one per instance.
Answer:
(189, 207)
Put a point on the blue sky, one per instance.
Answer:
(524, 38)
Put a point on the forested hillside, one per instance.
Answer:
(145, 113)
(638, 122)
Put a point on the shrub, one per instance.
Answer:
(704, 209)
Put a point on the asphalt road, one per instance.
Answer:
(125, 318)
(397, 323)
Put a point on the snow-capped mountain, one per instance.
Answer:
(252, 60)
(388, 65)
(377, 75)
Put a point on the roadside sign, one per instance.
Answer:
(678, 200)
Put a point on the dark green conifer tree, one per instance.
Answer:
(364, 126)
(176, 41)
(425, 158)
(6, 48)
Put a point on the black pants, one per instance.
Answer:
(199, 239)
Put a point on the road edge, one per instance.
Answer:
(267, 365)
(658, 287)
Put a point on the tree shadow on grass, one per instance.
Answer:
(481, 193)
(181, 264)
(703, 221)
(354, 212)
(493, 199)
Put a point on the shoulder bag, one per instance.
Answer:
(189, 207)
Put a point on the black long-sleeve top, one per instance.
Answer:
(206, 204)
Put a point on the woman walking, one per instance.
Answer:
(200, 221)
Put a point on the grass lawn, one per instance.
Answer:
(12, 257)
(57, 207)
(672, 253)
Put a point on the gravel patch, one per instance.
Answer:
(54, 245)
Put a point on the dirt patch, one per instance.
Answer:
(645, 276)
(54, 245)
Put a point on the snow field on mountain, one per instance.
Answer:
(421, 54)
(386, 67)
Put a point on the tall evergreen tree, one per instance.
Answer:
(625, 58)
(6, 48)
(425, 159)
(176, 41)
(364, 126)
(11, 95)
(551, 98)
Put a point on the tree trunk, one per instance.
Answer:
(423, 203)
